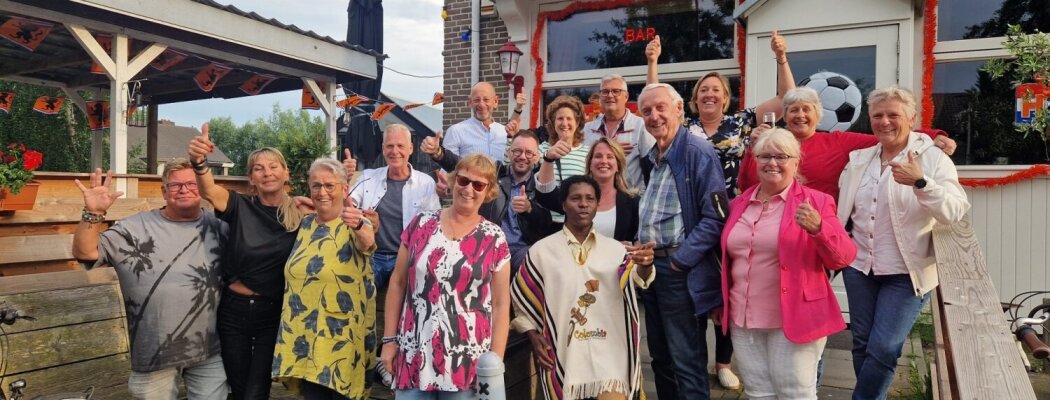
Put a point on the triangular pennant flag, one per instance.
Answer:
(438, 98)
(256, 83)
(382, 110)
(167, 59)
(411, 106)
(98, 115)
(351, 102)
(209, 76)
(6, 98)
(48, 105)
(309, 102)
(106, 41)
(25, 32)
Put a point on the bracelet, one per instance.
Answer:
(388, 339)
(517, 111)
(200, 168)
(92, 218)
(547, 159)
(360, 224)
(780, 62)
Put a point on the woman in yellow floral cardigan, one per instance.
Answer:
(326, 343)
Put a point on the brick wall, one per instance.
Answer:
(457, 61)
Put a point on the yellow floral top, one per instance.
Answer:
(327, 333)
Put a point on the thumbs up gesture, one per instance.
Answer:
(349, 164)
(520, 203)
(779, 46)
(431, 144)
(653, 50)
(808, 217)
(352, 216)
(200, 146)
(906, 173)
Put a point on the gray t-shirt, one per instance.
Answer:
(169, 275)
(388, 239)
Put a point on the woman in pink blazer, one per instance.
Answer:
(779, 241)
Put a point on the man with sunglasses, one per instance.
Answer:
(515, 209)
(167, 261)
(619, 124)
(397, 192)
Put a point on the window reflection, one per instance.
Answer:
(978, 113)
(973, 19)
(857, 63)
(692, 30)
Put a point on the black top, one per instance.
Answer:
(626, 212)
(258, 246)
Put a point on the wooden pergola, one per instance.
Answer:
(140, 31)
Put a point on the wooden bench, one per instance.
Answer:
(974, 351)
(78, 338)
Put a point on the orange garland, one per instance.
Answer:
(929, 40)
(1031, 172)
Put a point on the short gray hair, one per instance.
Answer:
(330, 165)
(803, 94)
(396, 127)
(614, 77)
(174, 164)
(897, 93)
(675, 97)
(778, 139)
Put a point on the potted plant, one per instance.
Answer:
(17, 190)
(1030, 63)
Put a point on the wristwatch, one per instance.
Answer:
(920, 183)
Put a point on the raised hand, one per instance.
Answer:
(653, 50)
(758, 131)
(808, 217)
(512, 127)
(906, 173)
(201, 145)
(520, 203)
(431, 144)
(349, 164)
(99, 197)
(352, 216)
(519, 100)
(779, 46)
(442, 183)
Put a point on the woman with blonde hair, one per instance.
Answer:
(564, 154)
(262, 230)
(448, 301)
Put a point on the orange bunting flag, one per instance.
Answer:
(256, 83)
(208, 77)
(106, 41)
(438, 98)
(351, 102)
(411, 106)
(48, 105)
(382, 110)
(167, 59)
(98, 115)
(25, 32)
(309, 101)
(6, 98)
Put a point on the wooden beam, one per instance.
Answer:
(93, 48)
(10, 285)
(151, 138)
(73, 95)
(44, 63)
(19, 249)
(89, 79)
(145, 57)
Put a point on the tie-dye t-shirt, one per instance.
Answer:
(446, 320)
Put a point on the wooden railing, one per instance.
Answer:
(975, 355)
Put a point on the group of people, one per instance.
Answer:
(719, 218)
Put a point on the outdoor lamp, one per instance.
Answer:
(509, 55)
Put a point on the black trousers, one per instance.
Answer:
(248, 333)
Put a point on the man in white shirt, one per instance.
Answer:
(619, 124)
(479, 133)
(397, 192)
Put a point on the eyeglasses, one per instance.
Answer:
(177, 186)
(767, 158)
(611, 92)
(328, 187)
(527, 153)
(477, 185)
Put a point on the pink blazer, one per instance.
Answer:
(808, 307)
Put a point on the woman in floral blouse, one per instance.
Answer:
(730, 136)
(326, 342)
(449, 296)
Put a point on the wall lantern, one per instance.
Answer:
(509, 55)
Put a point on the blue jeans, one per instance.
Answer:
(383, 266)
(882, 310)
(416, 394)
(677, 336)
(205, 380)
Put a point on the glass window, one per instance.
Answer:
(692, 30)
(857, 63)
(978, 113)
(974, 19)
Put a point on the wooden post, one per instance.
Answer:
(151, 139)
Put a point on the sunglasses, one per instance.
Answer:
(477, 185)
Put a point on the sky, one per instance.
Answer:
(412, 33)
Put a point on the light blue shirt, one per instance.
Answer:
(471, 136)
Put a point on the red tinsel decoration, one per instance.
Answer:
(537, 35)
(741, 48)
(929, 40)
(1031, 172)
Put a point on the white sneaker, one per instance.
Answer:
(728, 379)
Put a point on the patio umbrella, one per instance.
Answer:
(365, 29)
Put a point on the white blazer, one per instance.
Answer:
(419, 194)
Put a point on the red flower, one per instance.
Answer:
(22, 147)
(31, 160)
(9, 159)
(12, 145)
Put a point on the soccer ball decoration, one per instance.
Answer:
(839, 97)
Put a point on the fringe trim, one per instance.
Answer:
(593, 389)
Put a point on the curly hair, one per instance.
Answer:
(572, 103)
